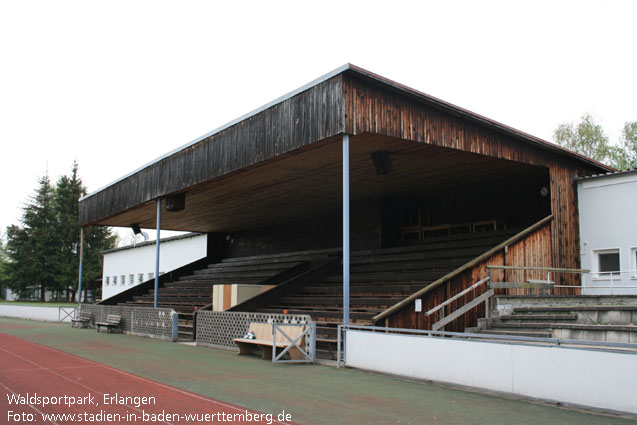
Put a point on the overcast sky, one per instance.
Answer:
(116, 84)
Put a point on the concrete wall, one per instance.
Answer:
(607, 216)
(174, 253)
(46, 314)
(600, 379)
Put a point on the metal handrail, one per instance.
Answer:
(487, 338)
(596, 276)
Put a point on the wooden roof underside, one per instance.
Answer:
(308, 182)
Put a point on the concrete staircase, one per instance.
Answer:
(583, 318)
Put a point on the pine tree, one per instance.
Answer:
(68, 191)
(4, 264)
(44, 249)
(32, 247)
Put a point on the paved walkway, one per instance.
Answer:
(311, 394)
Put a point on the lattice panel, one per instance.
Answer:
(154, 322)
(218, 328)
(135, 320)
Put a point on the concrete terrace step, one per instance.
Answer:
(540, 317)
(510, 332)
(557, 325)
(602, 307)
(586, 314)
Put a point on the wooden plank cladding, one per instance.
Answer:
(312, 115)
(532, 249)
(371, 107)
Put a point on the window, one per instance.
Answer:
(140, 278)
(606, 264)
(151, 275)
(131, 279)
(114, 280)
(123, 277)
(633, 263)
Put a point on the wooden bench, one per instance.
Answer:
(84, 321)
(113, 322)
(263, 339)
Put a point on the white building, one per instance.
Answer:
(131, 265)
(608, 232)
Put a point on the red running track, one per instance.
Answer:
(28, 367)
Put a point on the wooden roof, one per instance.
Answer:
(284, 159)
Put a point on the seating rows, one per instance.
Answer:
(194, 291)
(379, 279)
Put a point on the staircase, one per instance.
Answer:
(584, 318)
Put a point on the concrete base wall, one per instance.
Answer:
(46, 314)
(600, 379)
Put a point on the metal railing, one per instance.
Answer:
(341, 358)
(547, 283)
(610, 277)
(66, 313)
(305, 342)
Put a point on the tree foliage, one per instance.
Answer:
(31, 247)
(43, 251)
(4, 263)
(589, 139)
(629, 147)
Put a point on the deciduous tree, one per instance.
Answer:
(589, 139)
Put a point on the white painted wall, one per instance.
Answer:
(42, 313)
(601, 379)
(174, 253)
(608, 220)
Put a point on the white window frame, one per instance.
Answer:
(131, 279)
(114, 280)
(140, 278)
(108, 280)
(123, 279)
(633, 262)
(597, 275)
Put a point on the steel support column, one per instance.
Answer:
(157, 252)
(79, 279)
(346, 229)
